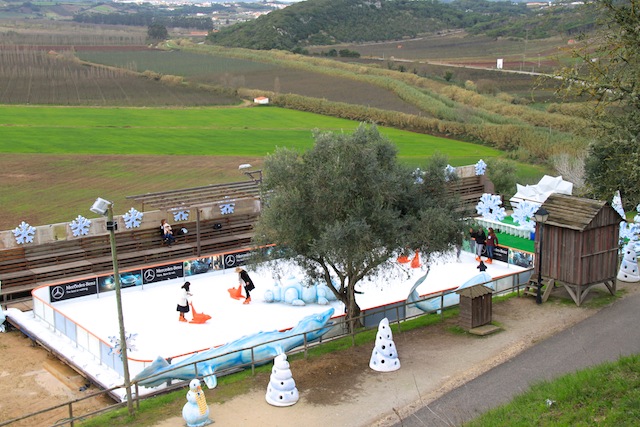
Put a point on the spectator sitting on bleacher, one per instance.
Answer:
(167, 232)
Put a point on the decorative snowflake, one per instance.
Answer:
(449, 172)
(132, 218)
(227, 208)
(481, 167)
(629, 231)
(523, 214)
(617, 204)
(24, 233)
(489, 207)
(180, 216)
(117, 347)
(418, 176)
(80, 226)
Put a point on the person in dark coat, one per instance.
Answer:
(245, 280)
(480, 239)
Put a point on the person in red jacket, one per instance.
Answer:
(492, 242)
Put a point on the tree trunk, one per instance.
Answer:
(353, 310)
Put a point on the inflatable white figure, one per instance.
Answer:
(3, 317)
(293, 291)
(629, 267)
(384, 357)
(282, 389)
(196, 411)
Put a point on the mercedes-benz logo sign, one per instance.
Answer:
(149, 275)
(57, 292)
(229, 261)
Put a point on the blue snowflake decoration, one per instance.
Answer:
(80, 226)
(617, 204)
(489, 207)
(481, 167)
(132, 218)
(117, 347)
(523, 214)
(227, 208)
(24, 233)
(180, 216)
(418, 176)
(449, 172)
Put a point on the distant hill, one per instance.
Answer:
(326, 22)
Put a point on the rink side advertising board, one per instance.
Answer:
(236, 259)
(162, 272)
(73, 290)
(501, 254)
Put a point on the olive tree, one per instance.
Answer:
(345, 208)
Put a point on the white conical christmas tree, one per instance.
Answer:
(629, 267)
(282, 389)
(384, 357)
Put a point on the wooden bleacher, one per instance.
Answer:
(25, 268)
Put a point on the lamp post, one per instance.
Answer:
(105, 207)
(541, 217)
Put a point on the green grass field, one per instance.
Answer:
(197, 131)
(62, 158)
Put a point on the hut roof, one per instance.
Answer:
(474, 291)
(573, 212)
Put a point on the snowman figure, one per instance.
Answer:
(196, 411)
(282, 389)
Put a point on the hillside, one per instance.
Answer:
(327, 22)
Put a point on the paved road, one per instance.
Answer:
(605, 336)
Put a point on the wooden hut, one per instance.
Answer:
(475, 306)
(579, 245)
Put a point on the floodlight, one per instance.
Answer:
(100, 206)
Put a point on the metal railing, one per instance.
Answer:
(397, 313)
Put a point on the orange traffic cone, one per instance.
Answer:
(403, 259)
(236, 293)
(415, 262)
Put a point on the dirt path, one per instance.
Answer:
(336, 389)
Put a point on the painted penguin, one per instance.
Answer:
(196, 411)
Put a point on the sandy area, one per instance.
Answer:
(337, 389)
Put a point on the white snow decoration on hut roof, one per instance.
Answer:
(542, 190)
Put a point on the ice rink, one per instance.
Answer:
(151, 318)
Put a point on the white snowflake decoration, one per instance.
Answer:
(180, 216)
(418, 176)
(449, 172)
(481, 167)
(227, 208)
(489, 207)
(24, 233)
(117, 347)
(80, 226)
(629, 231)
(617, 204)
(132, 218)
(523, 214)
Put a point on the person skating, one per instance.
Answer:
(482, 267)
(183, 301)
(480, 237)
(492, 242)
(246, 282)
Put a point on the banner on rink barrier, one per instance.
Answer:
(72, 290)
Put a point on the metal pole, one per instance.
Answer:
(539, 290)
(116, 277)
